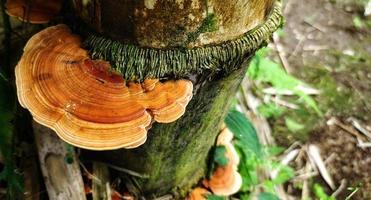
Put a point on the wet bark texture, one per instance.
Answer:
(175, 156)
(164, 24)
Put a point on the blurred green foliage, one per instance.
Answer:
(8, 107)
(320, 193)
(267, 71)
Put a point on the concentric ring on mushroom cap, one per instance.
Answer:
(87, 105)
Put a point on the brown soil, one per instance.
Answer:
(326, 50)
(349, 162)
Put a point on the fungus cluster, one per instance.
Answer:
(198, 193)
(35, 12)
(84, 101)
(225, 180)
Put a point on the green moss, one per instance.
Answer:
(175, 155)
(209, 24)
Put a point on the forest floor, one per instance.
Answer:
(327, 44)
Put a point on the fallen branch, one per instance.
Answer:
(62, 180)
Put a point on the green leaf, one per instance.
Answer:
(265, 70)
(274, 150)
(244, 132)
(292, 125)
(214, 197)
(267, 196)
(248, 170)
(270, 110)
(219, 156)
(247, 145)
(320, 192)
(245, 196)
(357, 22)
(285, 173)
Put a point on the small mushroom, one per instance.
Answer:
(226, 180)
(35, 12)
(198, 193)
(84, 101)
(225, 138)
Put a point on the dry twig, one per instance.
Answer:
(348, 129)
(315, 157)
(343, 185)
(305, 192)
(358, 126)
(281, 54)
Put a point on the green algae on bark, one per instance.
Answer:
(164, 24)
(175, 155)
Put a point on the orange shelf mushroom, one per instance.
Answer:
(86, 103)
(226, 180)
(198, 193)
(35, 11)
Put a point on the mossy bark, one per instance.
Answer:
(175, 156)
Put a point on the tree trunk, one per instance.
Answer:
(175, 156)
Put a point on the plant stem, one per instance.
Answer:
(5, 72)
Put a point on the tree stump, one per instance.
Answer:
(209, 42)
(175, 156)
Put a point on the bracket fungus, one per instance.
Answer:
(226, 180)
(198, 193)
(35, 12)
(84, 102)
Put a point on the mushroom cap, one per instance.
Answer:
(85, 103)
(198, 193)
(36, 11)
(226, 180)
(225, 138)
